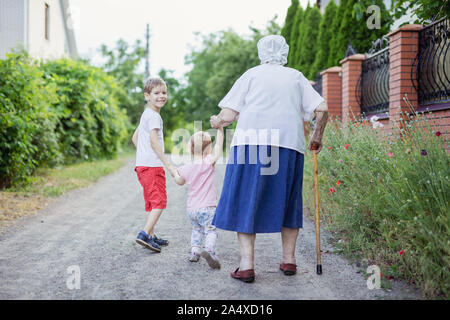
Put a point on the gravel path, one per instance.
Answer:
(94, 229)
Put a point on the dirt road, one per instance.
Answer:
(92, 231)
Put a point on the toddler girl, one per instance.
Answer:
(202, 196)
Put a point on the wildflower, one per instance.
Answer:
(338, 183)
(390, 154)
(408, 151)
(340, 160)
(346, 146)
(329, 148)
(375, 123)
(438, 133)
(423, 152)
(401, 252)
(332, 190)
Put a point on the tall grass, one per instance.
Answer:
(386, 196)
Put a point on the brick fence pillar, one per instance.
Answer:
(403, 48)
(351, 71)
(332, 91)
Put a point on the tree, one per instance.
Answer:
(173, 112)
(334, 40)
(301, 38)
(425, 10)
(223, 58)
(292, 41)
(362, 29)
(123, 62)
(354, 29)
(324, 38)
(309, 33)
(289, 21)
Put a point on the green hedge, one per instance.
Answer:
(55, 112)
(90, 123)
(386, 198)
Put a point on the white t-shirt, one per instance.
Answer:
(145, 155)
(272, 102)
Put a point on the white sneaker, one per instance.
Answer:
(193, 257)
(212, 260)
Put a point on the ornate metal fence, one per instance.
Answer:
(373, 85)
(318, 83)
(433, 64)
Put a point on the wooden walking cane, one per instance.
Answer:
(315, 146)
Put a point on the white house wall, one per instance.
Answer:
(12, 25)
(38, 46)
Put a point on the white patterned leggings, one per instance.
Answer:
(201, 226)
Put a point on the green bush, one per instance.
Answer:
(386, 197)
(55, 112)
(91, 125)
(27, 123)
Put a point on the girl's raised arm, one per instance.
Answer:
(218, 147)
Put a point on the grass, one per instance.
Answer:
(48, 183)
(385, 197)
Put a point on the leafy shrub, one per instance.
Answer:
(91, 125)
(386, 196)
(27, 123)
(55, 112)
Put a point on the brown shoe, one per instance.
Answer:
(288, 269)
(245, 275)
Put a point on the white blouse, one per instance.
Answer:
(272, 102)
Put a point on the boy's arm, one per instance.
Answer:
(159, 152)
(135, 137)
(218, 147)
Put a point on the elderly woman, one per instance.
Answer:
(262, 190)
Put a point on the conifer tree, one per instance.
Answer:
(289, 21)
(324, 39)
(309, 44)
(298, 60)
(294, 36)
(356, 31)
(364, 34)
(335, 29)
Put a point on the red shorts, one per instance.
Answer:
(153, 180)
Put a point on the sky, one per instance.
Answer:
(172, 24)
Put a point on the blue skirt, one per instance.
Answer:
(262, 190)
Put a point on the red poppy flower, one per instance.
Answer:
(438, 133)
(346, 146)
(329, 148)
(401, 252)
(390, 154)
(338, 183)
(332, 190)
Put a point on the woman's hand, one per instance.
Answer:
(315, 145)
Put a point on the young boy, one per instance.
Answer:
(150, 161)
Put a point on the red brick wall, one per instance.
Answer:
(332, 91)
(351, 71)
(439, 121)
(403, 46)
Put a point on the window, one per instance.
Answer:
(47, 22)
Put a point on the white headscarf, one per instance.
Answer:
(273, 49)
